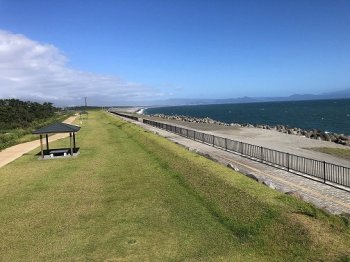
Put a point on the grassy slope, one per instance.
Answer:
(131, 195)
(338, 152)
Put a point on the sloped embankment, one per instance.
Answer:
(133, 196)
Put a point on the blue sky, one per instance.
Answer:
(127, 51)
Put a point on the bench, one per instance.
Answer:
(63, 152)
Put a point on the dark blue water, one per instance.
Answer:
(324, 115)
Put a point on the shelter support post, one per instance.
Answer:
(41, 146)
(74, 145)
(47, 142)
(70, 142)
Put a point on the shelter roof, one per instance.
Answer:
(57, 128)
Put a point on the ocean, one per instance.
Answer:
(325, 115)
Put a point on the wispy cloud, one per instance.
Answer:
(33, 70)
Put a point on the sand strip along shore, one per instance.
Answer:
(12, 153)
(272, 139)
(293, 144)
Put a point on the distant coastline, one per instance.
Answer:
(341, 94)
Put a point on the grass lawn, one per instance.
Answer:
(133, 196)
(338, 152)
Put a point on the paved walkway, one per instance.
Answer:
(12, 153)
(324, 196)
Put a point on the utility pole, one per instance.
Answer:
(85, 102)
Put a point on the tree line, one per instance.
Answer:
(15, 113)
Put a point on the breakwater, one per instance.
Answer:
(312, 134)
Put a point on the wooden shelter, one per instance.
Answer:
(58, 128)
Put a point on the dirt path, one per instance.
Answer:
(14, 152)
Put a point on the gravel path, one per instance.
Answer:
(12, 153)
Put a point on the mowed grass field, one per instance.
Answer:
(133, 196)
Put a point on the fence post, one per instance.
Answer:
(288, 162)
(186, 132)
(324, 172)
(194, 135)
(262, 154)
(225, 143)
(213, 140)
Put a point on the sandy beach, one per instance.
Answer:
(273, 139)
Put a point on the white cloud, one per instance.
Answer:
(33, 70)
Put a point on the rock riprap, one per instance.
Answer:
(313, 134)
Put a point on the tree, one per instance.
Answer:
(15, 113)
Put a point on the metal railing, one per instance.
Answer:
(320, 170)
(124, 115)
